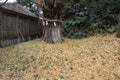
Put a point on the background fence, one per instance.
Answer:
(17, 27)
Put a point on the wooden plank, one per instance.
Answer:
(17, 21)
(2, 19)
(0, 28)
(29, 29)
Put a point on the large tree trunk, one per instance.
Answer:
(53, 11)
(52, 33)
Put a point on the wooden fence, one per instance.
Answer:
(16, 27)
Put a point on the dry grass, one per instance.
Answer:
(94, 58)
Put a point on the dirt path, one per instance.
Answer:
(94, 58)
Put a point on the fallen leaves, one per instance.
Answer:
(94, 58)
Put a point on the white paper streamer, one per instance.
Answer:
(55, 23)
(46, 22)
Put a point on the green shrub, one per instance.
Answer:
(83, 20)
(118, 28)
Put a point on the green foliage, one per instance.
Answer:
(118, 35)
(84, 19)
(27, 3)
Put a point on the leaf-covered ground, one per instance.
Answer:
(94, 58)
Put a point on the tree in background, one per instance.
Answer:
(30, 5)
(52, 18)
(4, 3)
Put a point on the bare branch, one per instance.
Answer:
(3, 3)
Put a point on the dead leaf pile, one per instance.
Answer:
(94, 58)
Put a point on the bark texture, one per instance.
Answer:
(53, 11)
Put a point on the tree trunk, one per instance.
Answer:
(53, 11)
(52, 32)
